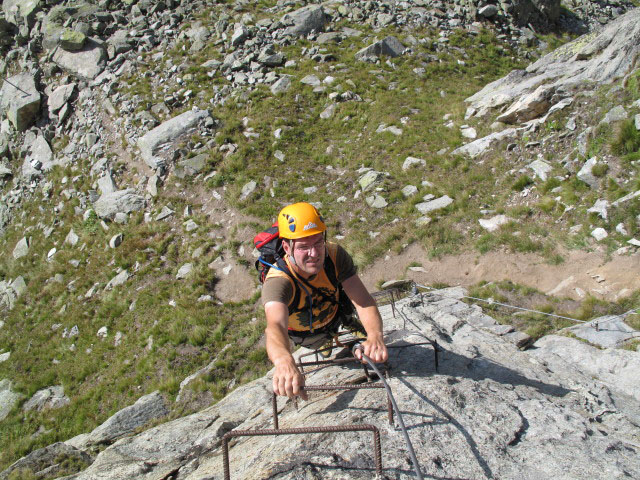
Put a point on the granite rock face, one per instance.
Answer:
(489, 410)
(20, 100)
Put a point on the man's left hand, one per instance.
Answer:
(375, 349)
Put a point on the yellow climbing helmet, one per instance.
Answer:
(300, 220)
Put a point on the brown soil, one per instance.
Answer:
(581, 273)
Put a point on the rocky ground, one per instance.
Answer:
(489, 410)
(132, 155)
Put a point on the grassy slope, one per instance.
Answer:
(101, 378)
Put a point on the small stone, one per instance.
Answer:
(116, 240)
(21, 248)
(412, 162)
(433, 205)
(190, 225)
(409, 191)
(494, 223)
(600, 208)
(102, 333)
(247, 189)
(184, 271)
(599, 234)
(72, 40)
(376, 201)
(72, 238)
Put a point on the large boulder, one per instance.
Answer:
(481, 145)
(389, 46)
(86, 63)
(157, 145)
(8, 398)
(147, 408)
(47, 398)
(21, 12)
(541, 13)
(618, 369)
(597, 58)
(125, 201)
(529, 106)
(50, 459)
(20, 100)
(305, 20)
(40, 158)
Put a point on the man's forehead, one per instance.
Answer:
(309, 240)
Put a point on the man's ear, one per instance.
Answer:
(286, 246)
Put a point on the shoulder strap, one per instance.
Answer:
(282, 265)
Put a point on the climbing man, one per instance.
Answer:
(307, 303)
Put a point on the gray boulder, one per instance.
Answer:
(86, 63)
(598, 58)
(618, 369)
(376, 201)
(305, 20)
(370, 179)
(47, 461)
(191, 166)
(585, 174)
(20, 100)
(72, 40)
(616, 114)
(148, 408)
(125, 201)
(59, 97)
(389, 46)
(412, 162)
(436, 204)
(541, 169)
(158, 144)
(21, 12)
(40, 157)
(494, 223)
(8, 398)
(22, 248)
(609, 331)
(120, 279)
(281, 85)
(529, 106)
(5, 172)
(481, 145)
(106, 184)
(47, 398)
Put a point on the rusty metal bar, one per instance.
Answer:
(393, 305)
(377, 452)
(359, 386)
(316, 388)
(274, 404)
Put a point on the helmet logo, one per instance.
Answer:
(309, 226)
(292, 222)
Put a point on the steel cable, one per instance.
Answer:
(412, 453)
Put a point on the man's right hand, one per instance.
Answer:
(287, 379)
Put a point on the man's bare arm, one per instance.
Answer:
(367, 309)
(287, 379)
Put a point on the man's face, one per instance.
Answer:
(308, 253)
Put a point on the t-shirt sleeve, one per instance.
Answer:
(345, 265)
(277, 289)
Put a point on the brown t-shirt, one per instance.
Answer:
(279, 289)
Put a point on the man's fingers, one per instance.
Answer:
(298, 388)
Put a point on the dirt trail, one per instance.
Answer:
(581, 273)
